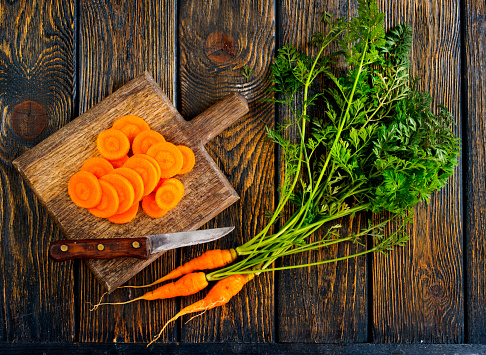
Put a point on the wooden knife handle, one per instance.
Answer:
(63, 250)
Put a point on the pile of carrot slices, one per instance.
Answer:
(136, 166)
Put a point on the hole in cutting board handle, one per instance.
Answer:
(218, 117)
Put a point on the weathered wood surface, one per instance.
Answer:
(68, 57)
(418, 289)
(216, 40)
(330, 301)
(49, 165)
(36, 98)
(474, 107)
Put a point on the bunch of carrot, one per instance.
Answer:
(192, 280)
(135, 164)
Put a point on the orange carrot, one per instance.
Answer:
(146, 170)
(168, 156)
(188, 161)
(85, 189)
(212, 259)
(144, 140)
(112, 144)
(131, 125)
(124, 189)
(125, 217)
(177, 183)
(151, 208)
(98, 166)
(219, 295)
(135, 179)
(154, 163)
(168, 196)
(119, 162)
(185, 286)
(159, 184)
(109, 201)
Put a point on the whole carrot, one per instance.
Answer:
(185, 286)
(219, 295)
(211, 259)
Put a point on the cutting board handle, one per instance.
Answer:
(218, 117)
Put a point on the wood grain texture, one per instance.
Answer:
(48, 167)
(475, 172)
(329, 302)
(36, 98)
(216, 40)
(418, 289)
(119, 41)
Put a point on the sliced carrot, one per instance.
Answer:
(177, 183)
(98, 166)
(112, 144)
(125, 217)
(151, 208)
(154, 163)
(124, 189)
(146, 170)
(131, 125)
(159, 184)
(189, 160)
(135, 179)
(144, 140)
(109, 201)
(169, 158)
(119, 162)
(85, 189)
(167, 196)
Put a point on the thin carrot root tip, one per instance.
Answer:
(95, 307)
(219, 295)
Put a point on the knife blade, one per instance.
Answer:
(136, 247)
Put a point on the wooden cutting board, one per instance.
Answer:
(49, 165)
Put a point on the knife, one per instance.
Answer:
(135, 247)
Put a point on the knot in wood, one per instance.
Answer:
(220, 47)
(29, 120)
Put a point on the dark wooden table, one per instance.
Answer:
(59, 58)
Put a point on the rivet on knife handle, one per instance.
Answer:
(100, 249)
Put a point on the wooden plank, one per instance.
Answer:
(417, 290)
(119, 41)
(216, 40)
(243, 348)
(474, 31)
(206, 190)
(36, 98)
(330, 302)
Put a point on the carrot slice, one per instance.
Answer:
(112, 144)
(151, 208)
(98, 166)
(159, 184)
(85, 189)
(125, 217)
(144, 140)
(135, 179)
(188, 161)
(124, 189)
(131, 125)
(177, 183)
(146, 170)
(154, 163)
(119, 162)
(169, 158)
(109, 201)
(167, 196)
